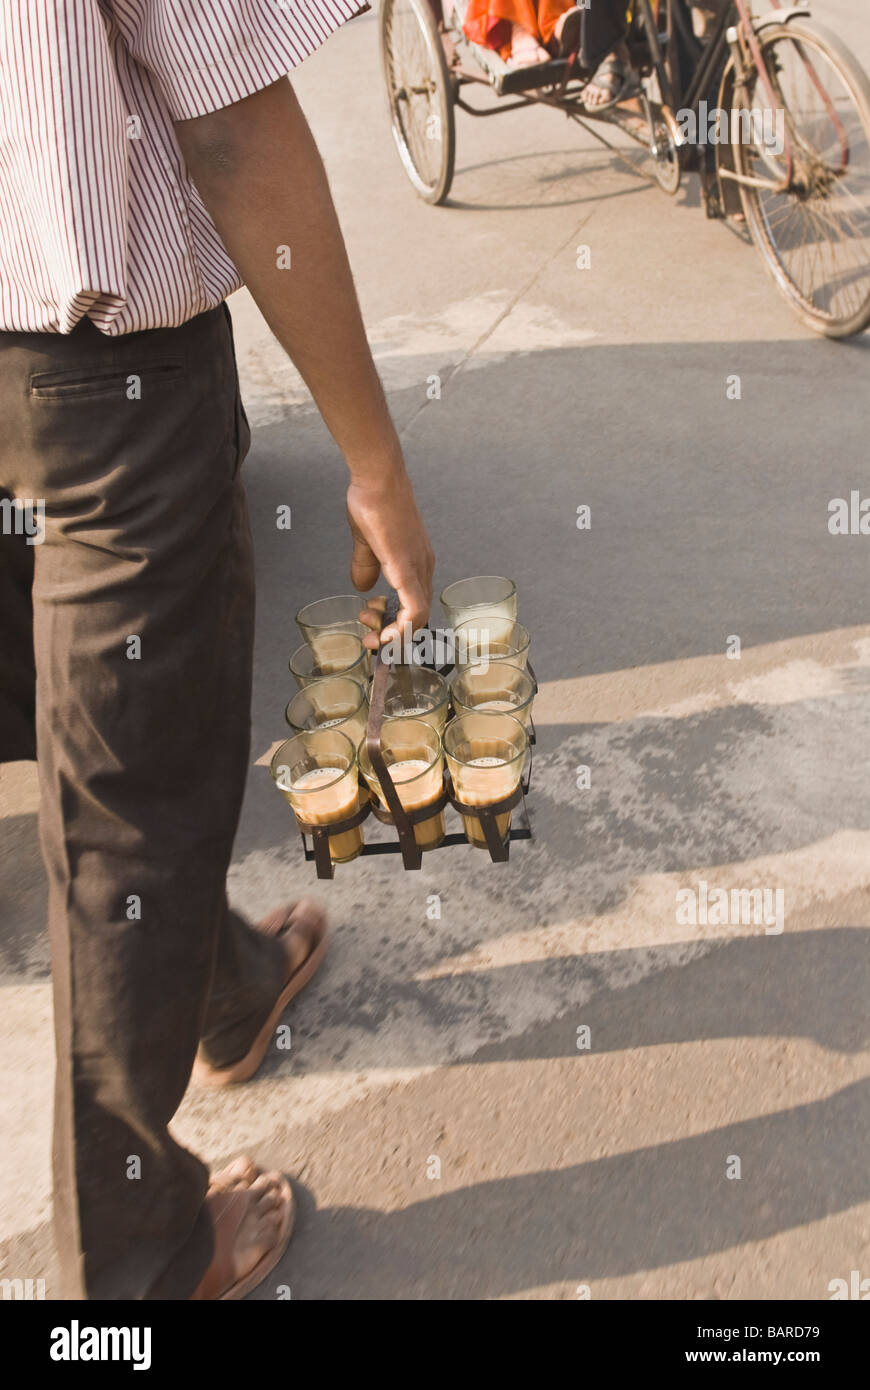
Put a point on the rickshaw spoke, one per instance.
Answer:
(420, 95)
(815, 233)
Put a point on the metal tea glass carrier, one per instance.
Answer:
(396, 815)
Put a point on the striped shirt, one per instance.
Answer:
(98, 215)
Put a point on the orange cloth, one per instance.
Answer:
(488, 22)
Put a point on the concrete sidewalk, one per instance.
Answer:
(455, 1038)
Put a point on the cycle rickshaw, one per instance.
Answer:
(793, 159)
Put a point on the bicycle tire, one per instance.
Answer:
(410, 39)
(817, 37)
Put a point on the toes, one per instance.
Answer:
(242, 1170)
(268, 1216)
(271, 1193)
(265, 1232)
(269, 1184)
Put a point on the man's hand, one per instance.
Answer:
(389, 537)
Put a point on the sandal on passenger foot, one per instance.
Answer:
(613, 76)
(568, 32)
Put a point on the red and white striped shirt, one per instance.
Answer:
(97, 213)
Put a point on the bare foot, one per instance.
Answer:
(609, 79)
(526, 52)
(252, 1217)
(242, 1169)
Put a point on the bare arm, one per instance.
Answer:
(260, 175)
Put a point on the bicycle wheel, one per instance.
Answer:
(814, 235)
(420, 96)
(664, 144)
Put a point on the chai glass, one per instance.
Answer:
(487, 594)
(414, 756)
(336, 654)
(497, 686)
(317, 772)
(337, 702)
(485, 754)
(483, 640)
(340, 614)
(417, 693)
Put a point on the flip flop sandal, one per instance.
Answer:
(570, 35)
(611, 67)
(267, 1262)
(274, 925)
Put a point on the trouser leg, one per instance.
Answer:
(249, 971)
(143, 622)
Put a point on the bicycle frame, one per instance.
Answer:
(733, 35)
(734, 41)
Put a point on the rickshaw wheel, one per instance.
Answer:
(814, 235)
(667, 163)
(420, 96)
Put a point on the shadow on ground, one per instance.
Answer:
(638, 1211)
(656, 1205)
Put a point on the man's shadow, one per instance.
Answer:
(614, 1216)
(657, 1205)
(803, 984)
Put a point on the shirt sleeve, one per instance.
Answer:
(208, 54)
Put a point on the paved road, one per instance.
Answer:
(456, 1039)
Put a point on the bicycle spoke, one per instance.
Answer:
(414, 82)
(819, 229)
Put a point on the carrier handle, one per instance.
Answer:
(412, 855)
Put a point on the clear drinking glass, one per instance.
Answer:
(485, 754)
(340, 613)
(485, 639)
(337, 702)
(488, 594)
(496, 686)
(417, 694)
(336, 654)
(318, 773)
(413, 753)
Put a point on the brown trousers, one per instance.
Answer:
(139, 634)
